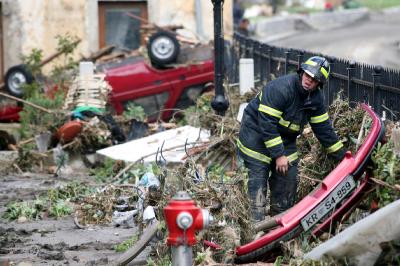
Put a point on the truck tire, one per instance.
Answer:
(163, 48)
(15, 78)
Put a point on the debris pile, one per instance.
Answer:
(136, 193)
(98, 208)
(315, 164)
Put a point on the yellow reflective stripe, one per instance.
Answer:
(311, 63)
(324, 72)
(260, 95)
(269, 110)
(293, 157)
(253, 154)
(273, 142)
(319, 119)
(294, 127)
(285, 123)
(335, 147)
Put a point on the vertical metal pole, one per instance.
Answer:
(182, 255)
(257, 59)
(300, 59)
(287, 61)
(242, 45)
(376, 76)
(249, 48)
(328, 97)
(220, 104)
(350, 71)
(269, 63)
(236, 52)
(263, 68)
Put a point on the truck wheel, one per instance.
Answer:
(15, 77)
(163, 48)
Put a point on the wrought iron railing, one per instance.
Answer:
(375, 85)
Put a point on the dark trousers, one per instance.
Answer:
(283, 189)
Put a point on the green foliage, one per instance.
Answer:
(56, 202)
(299, 9)
(278, 261)
(134, 111)
(202, 108)
(217, 172)
(124, 246)
(104, 172)
(33, 61)
(164, 261)
(58, 73)
(60, 159)
(30, 90)
(73, 191)
(373, 4)
(60, 208)
(34, 121)
(200, 258)
(203, 103)
(28, 209)
(25, 159)
(66, 45)
(387, 169)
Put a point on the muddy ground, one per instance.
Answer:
(54, 242)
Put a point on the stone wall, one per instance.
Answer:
(182, 12)
(35, 24)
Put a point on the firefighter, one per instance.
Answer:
(270, 125)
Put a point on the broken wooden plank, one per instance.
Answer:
(26, 102)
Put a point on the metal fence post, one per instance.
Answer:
(263, 53)
(376, 76)
(242, 46)
(256, 56)
(300, 56)
(269, 63)
(236, 56)
(287, 60)
(249, 48)
(350, 72)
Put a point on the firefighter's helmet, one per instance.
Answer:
(317, 67)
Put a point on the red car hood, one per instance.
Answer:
(9, 113)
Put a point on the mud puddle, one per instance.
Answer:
(50, 241)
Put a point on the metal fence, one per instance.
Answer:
(375, 85)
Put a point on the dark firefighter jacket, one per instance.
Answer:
(277, 115)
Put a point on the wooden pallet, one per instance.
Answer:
(88, 91)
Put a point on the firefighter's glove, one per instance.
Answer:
(338, 155)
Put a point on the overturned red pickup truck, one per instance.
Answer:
(172, 79)
(159, 91)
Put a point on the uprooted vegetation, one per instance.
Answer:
(57, 202)
(211, 173)
(214, 181)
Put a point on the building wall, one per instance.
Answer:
(31, 24)
(182, 12)
(35, 24)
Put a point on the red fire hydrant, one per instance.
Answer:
(183, 219)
